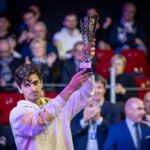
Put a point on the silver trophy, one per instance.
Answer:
(88, 28)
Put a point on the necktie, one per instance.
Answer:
(137, 135)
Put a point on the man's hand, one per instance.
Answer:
(147, 120)
(76, 82)
(120, 89)
(91, 113)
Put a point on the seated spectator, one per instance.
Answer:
(8, 64)
(47, 63)
(24, 30)
(12, 40)
(72, 65)
(65, 39)
(123, 81)
(130, 134)
(4, 26)
(127, 33)
(101, 34)
(99, 113)
(39, 31)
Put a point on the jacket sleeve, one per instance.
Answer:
(110, 143)
(28, 122)
(79, 99)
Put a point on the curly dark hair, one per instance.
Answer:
(24, 71)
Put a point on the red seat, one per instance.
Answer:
(144, 84)
(138, 68)
(134, 56)
(103, 56)
(103, 69)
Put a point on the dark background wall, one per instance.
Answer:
(54, 10)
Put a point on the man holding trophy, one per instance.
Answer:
(39, 123)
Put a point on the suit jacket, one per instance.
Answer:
(126, 81)
(110, 114)
(119, 138)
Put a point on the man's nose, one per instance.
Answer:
(33, 88)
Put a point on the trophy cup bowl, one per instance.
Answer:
(88, 29)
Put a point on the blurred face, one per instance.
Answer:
(147, 103)
(32, 88)
(91, 12)
(38, 50)
(119, 66)
(4, 24)
(78, 52)
(129, 13)
(36, 10)
(39, 32)
(70, 22)
(137, 111)
(29, 19)
(4, 49)
(12, 43)
(99, 91)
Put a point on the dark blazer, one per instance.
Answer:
(115, 29)
(119, 138)
(126, 81)
(110, 114)
(68, 70)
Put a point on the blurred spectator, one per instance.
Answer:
(94, 120)
(127, 33)
(123, 81)
(101, 34)
(12, 41)
(6, 138)
(130, 134)
(39, 31)
(72, 65)
(37, 11)
(147, 102)
(8, 64)
(24, 30)
(47, 63)
(4, 26)
(67, 36)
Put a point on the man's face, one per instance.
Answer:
(147, 103)
(38, 50)
(99, 91)
(4, 49)
(119, 66)
(39, 32)
(78, 52)
(137, 111)
(70, 22)
(32, 88)
(29, 19)
(129, 13)
(4, 24)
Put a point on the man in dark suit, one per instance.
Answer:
(130, 134)
(72, 65)
(90, 126)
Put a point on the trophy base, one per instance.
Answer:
(87, 66)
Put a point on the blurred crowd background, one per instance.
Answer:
(48, 34)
